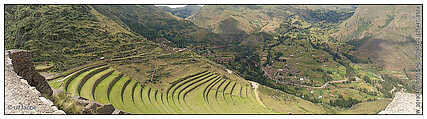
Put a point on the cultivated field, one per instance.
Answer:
(202, 92)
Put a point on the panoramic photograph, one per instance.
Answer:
(136, 59)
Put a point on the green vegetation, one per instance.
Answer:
(65, 35)
(383, 35)
(145, 60)
(183, 12)
(185, 95)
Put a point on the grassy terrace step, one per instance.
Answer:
(155, 95)
(218, 88)
(161, 98)
(231, 91)
(133, 92)
(125, 85)
(137, 94)
(111, 85)
(192, 83)
(130, 58)
(185, 82)
(76, 69)
(180, 80)
(88, 88)
(76, 74)
(141, 94)
(92, 75)
(101, 90)
(117, 92)
(212, 79)
(148, 95)
(127, 101)
(219, 98)
(224, 89)
(210, 88)
(146, 104)
(55, 84)
(98, 81)
(209, 85)
(105, 85)
(75, 82)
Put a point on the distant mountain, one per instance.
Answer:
(263, 18)
(385, 35)
(183, 12)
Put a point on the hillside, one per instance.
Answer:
(385, 35)
(182, 12)
(235, 19)
(148, 60)
(110, 64)
(67, 35)
(244, 52)
(297, 55)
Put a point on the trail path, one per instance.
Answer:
(255, 86)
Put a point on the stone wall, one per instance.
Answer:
(23, 66)
(20, 97)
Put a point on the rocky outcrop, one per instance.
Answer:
(21, 98)
(403, 103)
(26, 89)
(24, 67)
(91, 107)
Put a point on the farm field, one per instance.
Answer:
(203, 92)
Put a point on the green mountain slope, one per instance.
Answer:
(312, 55)
(385, 35)
(66, 35)
(140, 58)
(263, 18)
(182, 12)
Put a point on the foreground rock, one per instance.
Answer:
(23, 66)
(403, 103)
(21, 98)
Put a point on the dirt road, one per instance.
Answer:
(255, 86)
